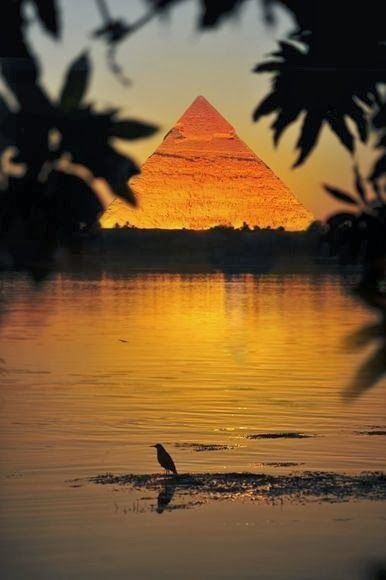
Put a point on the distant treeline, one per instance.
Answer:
(221, 247)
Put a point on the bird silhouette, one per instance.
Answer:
(164, 459)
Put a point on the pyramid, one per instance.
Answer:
(203, 175)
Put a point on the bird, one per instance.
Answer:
(164, 459)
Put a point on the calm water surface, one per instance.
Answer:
(96, 370)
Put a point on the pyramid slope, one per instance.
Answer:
(201, 118)
(203, 175)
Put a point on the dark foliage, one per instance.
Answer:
(52, 152)
(330, 69)
(322, 92)
(358, 236)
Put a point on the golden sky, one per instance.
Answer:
(170, 63)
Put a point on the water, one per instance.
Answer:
(96, 370)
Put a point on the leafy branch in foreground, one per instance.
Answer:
(321, 92)
(51, 159)
(358, 236)
(330, 70)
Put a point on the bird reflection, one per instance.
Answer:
(374, 367)
(165, 496)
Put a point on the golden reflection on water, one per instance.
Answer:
(99, 369)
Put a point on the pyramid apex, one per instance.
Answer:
(201, 117)
(201, 98)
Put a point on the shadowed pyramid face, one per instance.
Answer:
(202, 175)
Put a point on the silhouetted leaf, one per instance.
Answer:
(379, 169)
(267, 106)
(283, 120)
(214, 11)
(131, 129)
(288, 51)
(341, 130)
(340, 195)
(124, 191)
(76, 83)
(359, 185)
(268, 66)
(309, 136)
(49, 15)
(117, 170)
(358, 116)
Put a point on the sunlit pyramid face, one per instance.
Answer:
(202, 175)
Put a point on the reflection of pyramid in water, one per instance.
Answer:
(203, 175)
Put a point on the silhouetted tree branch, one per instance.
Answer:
(52, 152)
